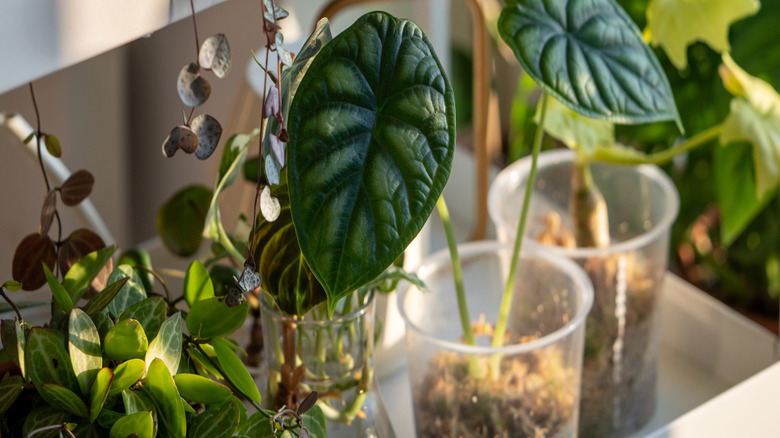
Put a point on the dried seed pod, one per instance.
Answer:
(214, 55)
(181, 137)
(77, 187)
(193, 88)
(208, 130)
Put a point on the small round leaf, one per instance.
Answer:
(193, 88)
(269, 205)
(208, 131)
(126, 340)
(33, 251)
(214, 55)
(77, 187)
(180, 137)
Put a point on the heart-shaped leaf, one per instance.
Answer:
(280, 263)
(193, 88)
(33, 250)
(47, 361)
(86, 356)
(131, 293)
(139, 424)
(181, 137)
(589, 55)
(181, 219)
(167, 344)
(269, 206)
(77, 187)
(214, 55)
(149, 312)
(47, 212)
(212, 317)
(99, 393)
(200, 389)
(372, 136)
(163, 392)
(208, 130)
(126, 374)
(250, 280)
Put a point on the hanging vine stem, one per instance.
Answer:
(61, 427)
(16, 309)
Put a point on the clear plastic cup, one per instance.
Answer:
(455, 387)
(621, 344)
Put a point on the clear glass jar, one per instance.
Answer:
(621, 344)
(332, 356)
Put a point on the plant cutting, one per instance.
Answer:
(120, 363)
(620, 251)
(355, 149)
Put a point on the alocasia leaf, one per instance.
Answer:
(754, 117)
(589, 55)
(372, 136)
(675, 24)
(575, 130)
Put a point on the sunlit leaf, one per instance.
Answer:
(99, 392)
(214, 55)
(47, 212)
(216, 422)
(47, 361)
(675, 24)
(181, 137)
(101, 300)
(58, 292)
(197, 284)
(149, 312)
(103, 322)
(141, 262)
(590, 56)
(181, 219)
(166, 398)
(193, 88)
(77, 187)
(126, 374)
(235, 370)
(86, 356)
(63, 398)
(33, 251)
(126, 340)
(209, 131)
(200, 389)
(139, 424)
(167, 344)
(11, 285)
(575, 130)
(77, 245)
(80, 275)
(269, 206)
(212, 317)
(131, 293)
(372, 136)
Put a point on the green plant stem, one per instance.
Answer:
(623, 155)
(224, 240)
(457, 271)
(16, 309)
(506, 300)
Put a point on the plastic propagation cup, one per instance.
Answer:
(536, 388)
(619, 370)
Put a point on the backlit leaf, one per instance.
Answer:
(58, 292)
(162, 391)
(139, 425)
(126, 340)
(86, 356)
(99, 392)
(126, 374)
(131, 293)
(575, 130)
(167, 344)
(212, 317)
(590, 56)
(197, 284)
(101, 300)
(81, 274)
(200, 389)
(235, 370)
(79, 244)
(372, 136)
(675, 24)
(77, 187)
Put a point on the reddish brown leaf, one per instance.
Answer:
(47, 212)
(77, 187)
(80, 243)
(32, 252)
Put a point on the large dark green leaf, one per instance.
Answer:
(47, 361)
(589, 55)
(372, 136)
(285, 275)
(181, 219)
(43, 416)
(131, 293)
(63, 398)
(10, 388)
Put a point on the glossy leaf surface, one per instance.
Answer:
(63, 398)
(58, 292)
(212, 317)
(99, 392)
(167, 344)
(589, 55)
(86, 356)
(197, 284)
(200, 389)
(180, 220)
(139, 424)
(131, 293)
(10, 388)
(47, 361)
(372, 136)
(235, 369)
(166, 398)
(81, 274)
(149, 312)
(126, 340)
(125, 375)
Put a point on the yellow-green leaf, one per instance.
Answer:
(212, 317)
(197, 284)
(99, 393)
(674, 24)
(126, 340)
(167, 344)
(575, 130)
(200, 389)
(58, 292)
(139, 424)
(235, 370)
(125, 375)
(86, 355)
(166, 398)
